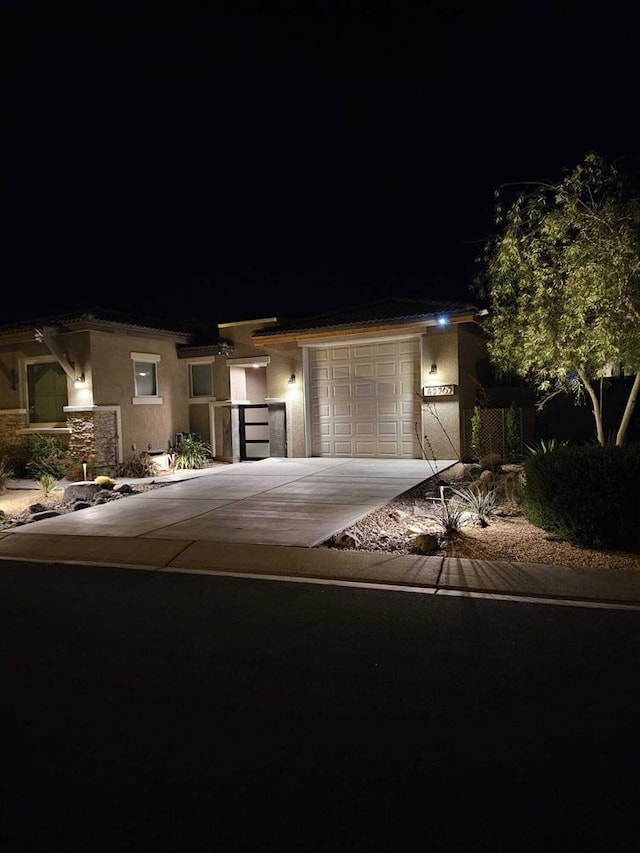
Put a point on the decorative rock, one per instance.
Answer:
(346, 539)
(80, 491)
(48, 513)
(81, 505)
(398, 514)
(34, 508)
(123, 489)
(457, 473)
(486, 478)
(425, 543)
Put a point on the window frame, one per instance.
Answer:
(145, 358)
(199, 362)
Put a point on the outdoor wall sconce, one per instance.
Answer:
(433, 369)
(292, 379)
(78, 382)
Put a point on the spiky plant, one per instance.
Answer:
(47, 484)
(6, 473)
(482, 503)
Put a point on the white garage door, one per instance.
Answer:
(364, 399)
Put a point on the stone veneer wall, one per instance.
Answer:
(10, 422)
(81, 440)
(94, 435)
(105, 433)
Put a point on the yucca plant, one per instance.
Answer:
(545, 446)
(47, 484)
(450, 515)
(482, 503)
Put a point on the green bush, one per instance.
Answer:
(585, 495)
(40, 454)
(190, 454)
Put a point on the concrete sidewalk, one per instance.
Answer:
(265, 518)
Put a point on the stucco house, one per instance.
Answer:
(391, 379)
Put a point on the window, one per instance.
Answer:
(201, 380)
(47, 393)
(145, 377)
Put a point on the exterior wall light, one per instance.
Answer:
(433, 369)
(443, 321)
(78, 382)
(292, 379)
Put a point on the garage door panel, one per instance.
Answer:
(364, 351)
(340, 353)
(342, 410)
(320, 412)
(373, 401)
(388, 389)
(364, 389)
(386, 368)
(343, 429)
(363, 371)
(342, 448)
(365, 409)
(387, 428)
(341, 371)
(341, 390)
(365, 429)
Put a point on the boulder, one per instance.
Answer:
(123, 489)
(456, 474)
(80, 492)
(425, 543)
(346, 539)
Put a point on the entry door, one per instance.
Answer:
(254, 432)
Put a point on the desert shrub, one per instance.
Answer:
(139, 465)
(40, 454)
(585, 495)
(190, 453)
(6, 473)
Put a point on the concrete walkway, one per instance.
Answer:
(264, 519)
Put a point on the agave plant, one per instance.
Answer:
(545, 446)
(482, 503)
(450, 515)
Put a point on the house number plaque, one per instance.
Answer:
(439, 390)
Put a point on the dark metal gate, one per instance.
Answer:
(254, 432)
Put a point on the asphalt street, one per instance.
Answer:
(158, 711)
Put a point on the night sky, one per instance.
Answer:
(234, 160)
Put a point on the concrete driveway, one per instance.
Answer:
(294, 502)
